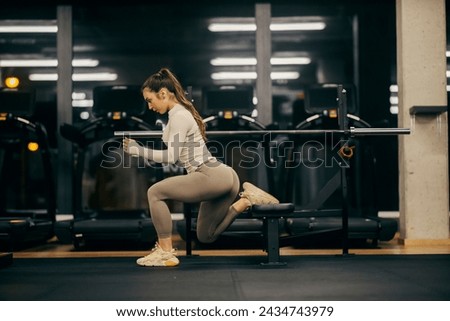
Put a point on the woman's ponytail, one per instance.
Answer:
(164, 78)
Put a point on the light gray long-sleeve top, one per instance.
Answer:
(185, 144)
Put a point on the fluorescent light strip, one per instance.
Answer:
(46, 63)
(233, 61)
(102, 76)
(28, 29)
(85, 63)
(83, 103)
(393, 100)
(78, 96)
(297, 26)
(230, 27)
(252, 61)
(43, 77)
(233, 27)
(290, 61)
(284, 75)
(29, 63)
(393, 88)
(234, 75)
(253, 75)
(393, 110)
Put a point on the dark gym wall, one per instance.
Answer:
(376, 54)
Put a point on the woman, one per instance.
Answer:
(209, 182)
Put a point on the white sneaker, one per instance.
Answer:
(257, 196)
(159, 257)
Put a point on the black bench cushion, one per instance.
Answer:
(275, 210)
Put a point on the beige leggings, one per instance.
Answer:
(214, 185)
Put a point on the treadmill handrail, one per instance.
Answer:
(41, 133)
(80, 140)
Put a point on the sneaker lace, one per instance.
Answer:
(157, 247)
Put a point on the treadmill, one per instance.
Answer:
(27, 192)
(110, 199)
(314, 179)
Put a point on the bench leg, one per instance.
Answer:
(272, 236)
(188, 220)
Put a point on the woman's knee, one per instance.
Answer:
(205, 238)
(153, 192)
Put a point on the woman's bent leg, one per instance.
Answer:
(216, 215)
(212, 184)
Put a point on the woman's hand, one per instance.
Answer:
(131, 147)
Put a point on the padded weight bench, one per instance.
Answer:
(271, 214)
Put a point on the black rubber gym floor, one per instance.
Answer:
(201, 278)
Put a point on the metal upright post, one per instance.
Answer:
(343, 125)
(64, 110)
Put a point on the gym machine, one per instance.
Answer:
(325, 166)
(110, 204)
(27, 192)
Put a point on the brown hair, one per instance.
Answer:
(164, 78)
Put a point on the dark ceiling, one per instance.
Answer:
(136, 39)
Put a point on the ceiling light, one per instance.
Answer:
(297, 26)
(284, 75)
(83, 103)
(46, 63)
(230, 27)
(78, 96)
(290, 61)
(233, 75)
(43, 77)
(85, 63)
(29, 63)
(12, 82)
(393, 110)
(253, 75)
(101, 76)
(393, 100)
(252, 61)
(275, 26)
(233, 61)
(393, 88)
(28, 29)
(84, 115)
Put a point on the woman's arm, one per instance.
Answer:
(179, 126)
